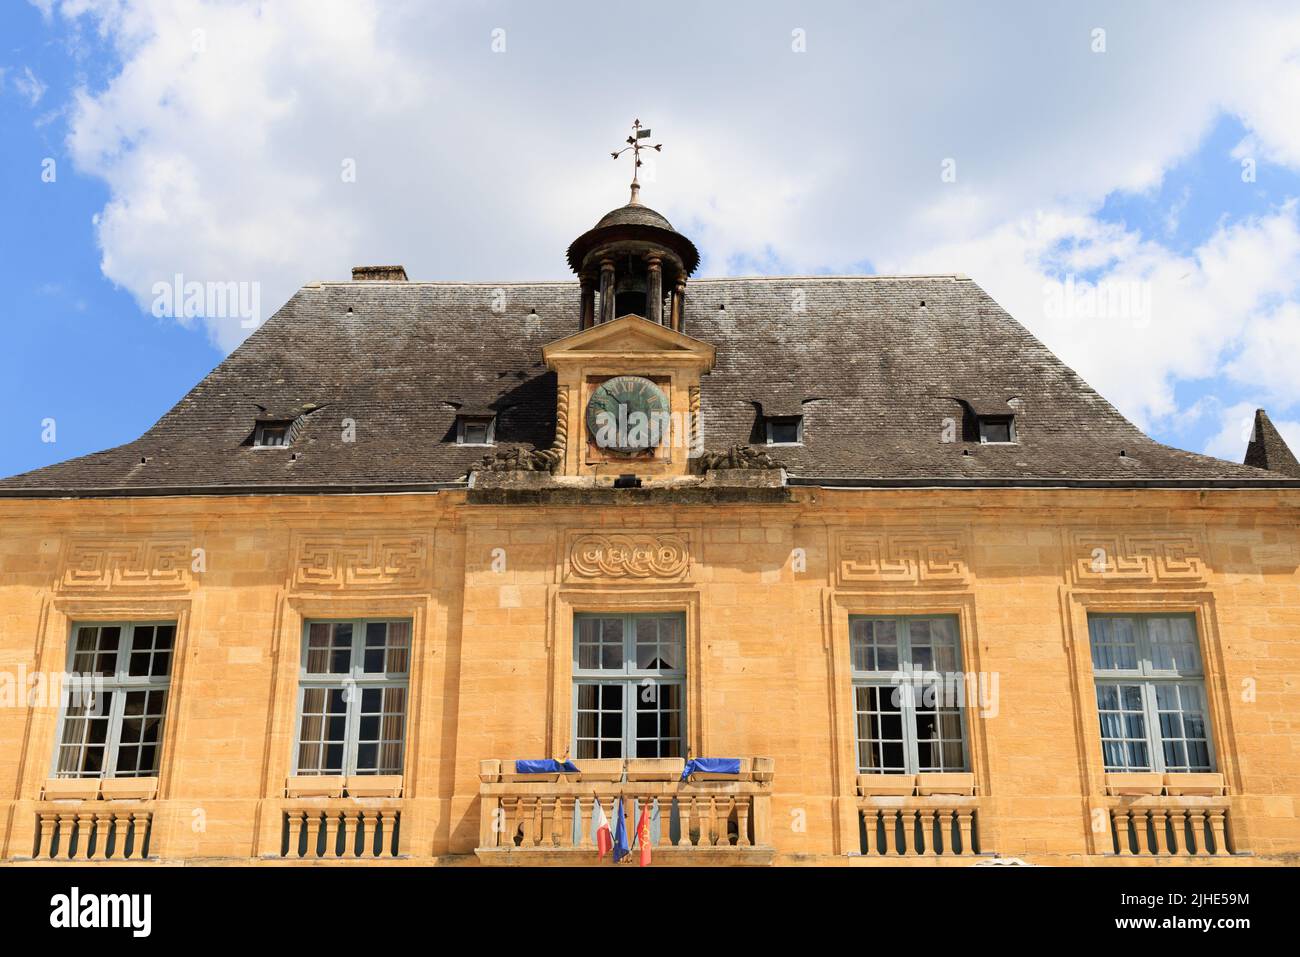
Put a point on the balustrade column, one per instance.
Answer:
(742, 821)
(85, 825)
(105, 829)
(585, 809)
(1128, 817)
(45, 846)
(313, 833)
(1218, 826)
(1178, 820)
(870, 822)
(965, 819)
(1159, 820)
(295, 832)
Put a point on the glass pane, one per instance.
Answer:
(600, 644)
(874, 644)
(1183, 726)
(1123, 727)
(1114, 643)
(658, 707)
(880, 731)
(321, 731)
(1173, 644)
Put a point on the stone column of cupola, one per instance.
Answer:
(678, 315)
(607, 290)
(587, 301)
(654, 290)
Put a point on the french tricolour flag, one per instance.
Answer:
(600, 824)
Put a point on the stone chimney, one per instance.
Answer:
(379, 273)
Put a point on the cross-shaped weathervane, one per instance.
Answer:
(636, 146)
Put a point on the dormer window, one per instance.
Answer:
(475, 430)
(997, 429)
(272, 434)
(784, 429)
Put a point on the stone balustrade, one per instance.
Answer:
(341, 829)
(547, 818)
(1168, 814)
(918, 815)
(93, 832)
(1176, 826)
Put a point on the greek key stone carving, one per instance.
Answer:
(925, 557)
(103, 565)
(379, 561)
(1155, 558)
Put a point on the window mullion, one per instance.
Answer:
(1155, 739)
(114, 733)
(906, 701)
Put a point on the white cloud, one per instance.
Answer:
(1201, 306)
(29, 86)
(1237, 422)
(225, 164)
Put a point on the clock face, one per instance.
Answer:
(627, 414)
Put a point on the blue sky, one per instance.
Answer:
(206, 138)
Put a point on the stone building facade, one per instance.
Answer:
(941, 603)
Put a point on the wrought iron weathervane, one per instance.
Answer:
(636, 146)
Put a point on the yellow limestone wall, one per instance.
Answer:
(767, 592)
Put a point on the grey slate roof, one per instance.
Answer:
(874, 373)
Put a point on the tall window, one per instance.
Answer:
(115, 702)
(907, 692)
(1150, 693)
(352, 697)
(629, 686)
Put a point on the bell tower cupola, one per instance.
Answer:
(633, 262)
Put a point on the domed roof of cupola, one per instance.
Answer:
(634, 214)
(634, 223)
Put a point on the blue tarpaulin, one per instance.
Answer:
(711, 766)
(545, 766)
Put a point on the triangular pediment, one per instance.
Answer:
(629, 336)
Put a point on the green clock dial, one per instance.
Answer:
(627, 414)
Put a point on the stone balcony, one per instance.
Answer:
(1168, 815)
(934, 815)
(529, 819)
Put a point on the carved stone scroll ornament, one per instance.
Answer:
(618, 555)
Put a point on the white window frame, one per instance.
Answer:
(354, 682)
(634, 681)
(118, 685)
(1147, 677)
(908, 697)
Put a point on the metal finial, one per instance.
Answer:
(634, 144)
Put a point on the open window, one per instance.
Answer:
(997, 429)
(273, 433)
(476, 430)
(784, 429)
